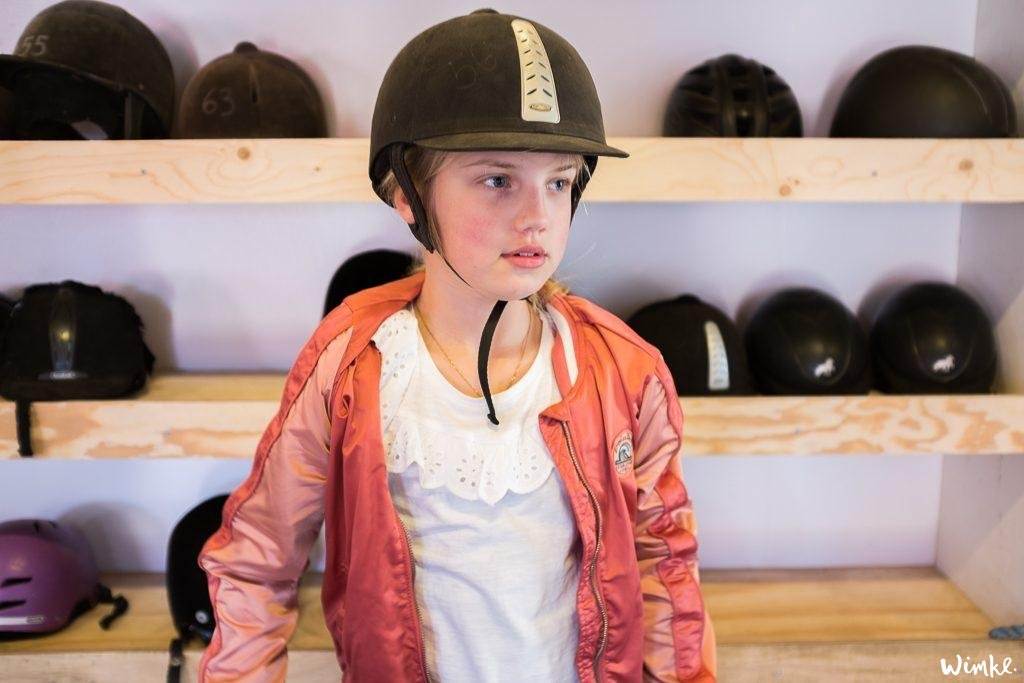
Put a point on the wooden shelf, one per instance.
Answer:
(855, 624)
(659, 170)
(224, 416)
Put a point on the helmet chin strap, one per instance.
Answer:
(419, 231)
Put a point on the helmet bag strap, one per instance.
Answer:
(120, 606)
(23, 418)
(176, 660)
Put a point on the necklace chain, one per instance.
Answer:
(477, 393)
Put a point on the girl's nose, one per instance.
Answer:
(534, 211)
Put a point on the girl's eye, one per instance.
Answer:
(498, 182)
(561, 184)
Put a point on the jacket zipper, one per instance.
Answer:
(419, 615)
(597, 548)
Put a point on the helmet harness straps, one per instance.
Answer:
(419, 229)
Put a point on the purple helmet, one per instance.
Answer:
(48, 576)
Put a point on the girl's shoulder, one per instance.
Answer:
(612, 329)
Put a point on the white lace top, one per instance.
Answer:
(421, 412)
(490, 527)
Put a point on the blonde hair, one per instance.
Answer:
(423, 165)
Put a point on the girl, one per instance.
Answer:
(496, 461)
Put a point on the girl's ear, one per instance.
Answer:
(402, 206)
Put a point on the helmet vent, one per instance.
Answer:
(8, 604)
(537, 82)
(15, 581)
(718, 358)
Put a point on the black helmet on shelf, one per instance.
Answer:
(803, 341)
(365, 270)
(86, 69)
(188, 593)
(732, 96)
(250, 93)
(917, 91)
(699, 343)
(68, 341)
(932, 337)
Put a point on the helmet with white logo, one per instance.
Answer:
(802, 341)
(932, 337)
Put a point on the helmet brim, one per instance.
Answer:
(11, 63)
(520, 142)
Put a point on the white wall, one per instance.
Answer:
(982, 513)
(241, 287)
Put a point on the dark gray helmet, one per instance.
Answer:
(802, 341)
(732, 96)
(699, 343)
(486, 81)
(918, 91)
(187, 591)
(250, 93)
(932, 337)
(362, 271)
(87, 60)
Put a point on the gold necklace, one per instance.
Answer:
(472, 388)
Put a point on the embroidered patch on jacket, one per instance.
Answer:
(622, 451)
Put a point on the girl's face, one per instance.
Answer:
(490, 205)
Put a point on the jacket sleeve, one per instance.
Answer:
(254, 561)
(679, 640)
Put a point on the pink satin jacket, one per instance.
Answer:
(614, 438)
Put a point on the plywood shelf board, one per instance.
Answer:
(659, 170)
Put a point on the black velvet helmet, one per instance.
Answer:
(250, 93)
(84, 68)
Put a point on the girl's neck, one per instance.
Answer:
(458, 320)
